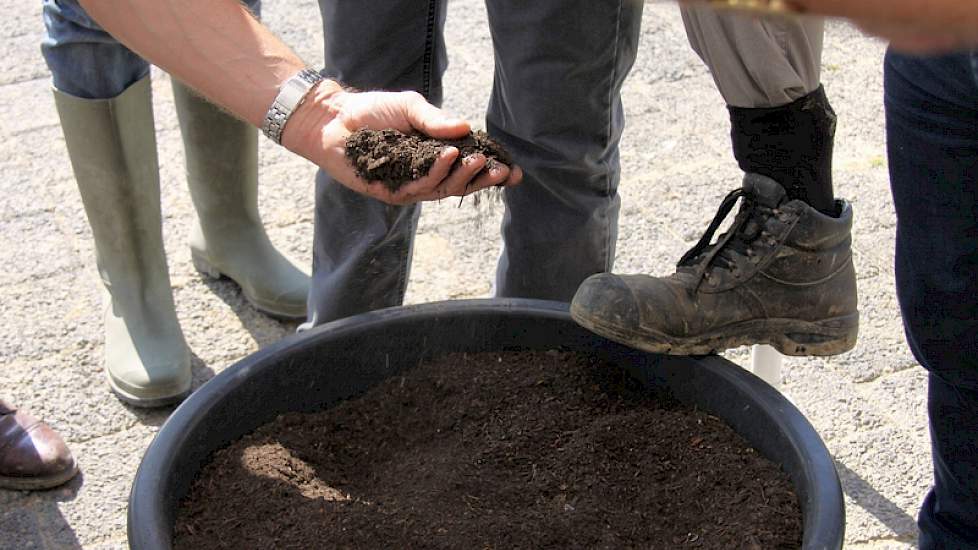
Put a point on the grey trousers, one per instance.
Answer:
(555, 105)
(562, 126)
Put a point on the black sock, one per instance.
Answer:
(791, 144)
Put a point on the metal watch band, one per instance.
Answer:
(290, 96)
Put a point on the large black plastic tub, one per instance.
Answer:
(341, 360)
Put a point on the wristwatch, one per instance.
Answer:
(292, 93)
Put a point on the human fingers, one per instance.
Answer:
(424, 188)
(515, 176)
(432, 121)
(451, 183)
(460, 185)
(341, 169)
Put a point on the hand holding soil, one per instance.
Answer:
(394, 158)
(327, 120)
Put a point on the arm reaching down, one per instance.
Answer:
(218, 48)
(923, 26)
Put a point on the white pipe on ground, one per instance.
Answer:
(766, 364)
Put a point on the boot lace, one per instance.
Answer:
(736, 243)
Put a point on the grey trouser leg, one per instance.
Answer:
(556, 106)
(362, 247)
(757, 62)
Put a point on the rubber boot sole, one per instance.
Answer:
(206, 268)
(144, 402)
(788, 336)
(39, 483)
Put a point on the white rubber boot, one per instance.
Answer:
(112, 145)
(229, 238)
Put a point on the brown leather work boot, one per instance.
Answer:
(32, 455)
(781, 275)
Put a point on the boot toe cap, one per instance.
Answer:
(150, 385)
(281, 303)
(605, 301)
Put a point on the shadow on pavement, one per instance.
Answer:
(30, 520)
(868, 498)
(263, 329)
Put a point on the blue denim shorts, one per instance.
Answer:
(85, 61)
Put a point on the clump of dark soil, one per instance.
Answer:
(394, 158)
(511, 450)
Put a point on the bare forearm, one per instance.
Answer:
(218, 48)
(922, 12)
(215, 46)
(916, 25)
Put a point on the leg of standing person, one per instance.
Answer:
(556, 105)
(768, 71)
(228, 237)
(362, 247)
(783, 273)
(103, 96)
(932, 141)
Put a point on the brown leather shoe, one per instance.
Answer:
(32, 455)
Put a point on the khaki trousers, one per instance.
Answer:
(757, 62)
